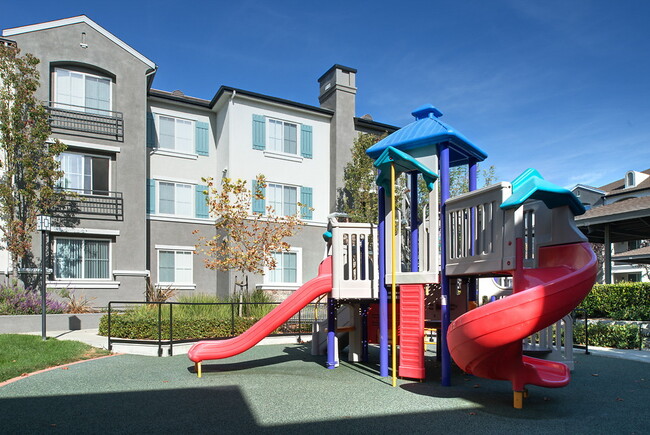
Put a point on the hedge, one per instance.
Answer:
(136, 327)
(624, 301)
(608, 335)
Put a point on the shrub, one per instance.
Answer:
(624, 301)
(14, 299)
(608, 335)
(136, 327)
(190, 321)
(77, 304)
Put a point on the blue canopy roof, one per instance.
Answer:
(403, 163)
(428, 131)
(531, 185)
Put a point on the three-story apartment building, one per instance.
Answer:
(137, 157)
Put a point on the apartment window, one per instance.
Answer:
(175, 199)
(283, 199)
(85, 174)
(286, 271)
(283, 137)
(82, 91)
(627, 277)
(175, 267)
(175, 134)
(81, 258)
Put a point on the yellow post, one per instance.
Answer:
(393, 271)
(518, 399)
(197, 369)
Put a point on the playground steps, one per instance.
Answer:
(411, 340)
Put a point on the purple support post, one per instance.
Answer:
(473, 178)
(383, 293)
(444, 196)
(364, 331)
(332, 348)
(414, 223)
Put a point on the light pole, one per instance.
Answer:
(43, 225)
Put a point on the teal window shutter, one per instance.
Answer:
(306, 201)
(151, 131)
(201, 204)
(151, 196)
(259, 205)
(202, 138)
(306, 141)
(259, 132)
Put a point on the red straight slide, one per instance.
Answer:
(207, 350)
(487, 341)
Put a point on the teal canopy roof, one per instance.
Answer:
(428, 131)
(403, 163)
(531, 185)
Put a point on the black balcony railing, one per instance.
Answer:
(86, 120)
(97, 204)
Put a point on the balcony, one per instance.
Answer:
(94, 122)
(97, 205)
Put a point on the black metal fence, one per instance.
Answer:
(298, 324)
(93, 204)
(85, 120)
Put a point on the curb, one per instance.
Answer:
(27, 375)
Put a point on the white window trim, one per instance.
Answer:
(88, 280)
(84, 284)
(174, 152)
(192, 199)
(288, 285)
(284, 156)
(90, 146)
(178, 285)
(181, 220)
(278, 154)
(110, 85)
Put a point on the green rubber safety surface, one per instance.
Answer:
(284, 389)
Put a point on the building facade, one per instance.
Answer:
(137, 157)
(620, 209)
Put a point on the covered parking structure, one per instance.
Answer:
(622, 221)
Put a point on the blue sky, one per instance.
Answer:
(561, 86)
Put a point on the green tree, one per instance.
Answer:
(243, 241)
(459, 178)
(28, 167)
(359, 195)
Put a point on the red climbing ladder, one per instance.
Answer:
(411, 341)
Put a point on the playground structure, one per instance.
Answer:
(427, 256)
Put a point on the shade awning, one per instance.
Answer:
(403, 163)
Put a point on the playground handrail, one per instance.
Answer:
(491, 247)
(354, 261)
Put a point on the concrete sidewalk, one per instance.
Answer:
(90, 336)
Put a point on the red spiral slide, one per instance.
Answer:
(487, 341)
(207, 350)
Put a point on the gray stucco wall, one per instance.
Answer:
(61, 46)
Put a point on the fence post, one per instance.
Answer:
(159, 329)
(232, 319)
(170, 352)
(110, 345)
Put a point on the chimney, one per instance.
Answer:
(338, 91)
